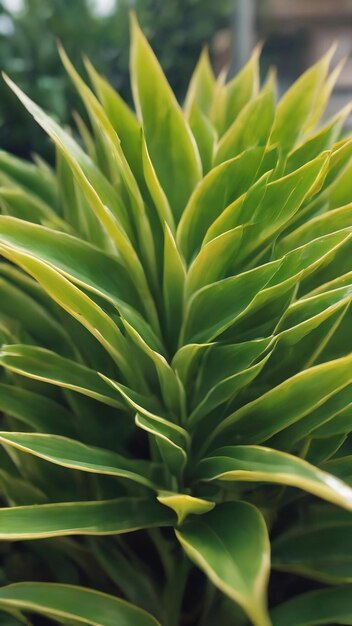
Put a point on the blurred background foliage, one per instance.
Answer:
(295, 33)
(177, 29)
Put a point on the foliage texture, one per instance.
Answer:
(177, 31)
(175, 308)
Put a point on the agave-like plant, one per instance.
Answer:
(176, 356)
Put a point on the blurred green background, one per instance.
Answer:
(295, 32)
(29, 30)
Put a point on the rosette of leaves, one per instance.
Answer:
(176, 357)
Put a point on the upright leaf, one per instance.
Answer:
(172, 149)
(296, 109)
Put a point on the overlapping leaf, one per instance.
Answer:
(184, 295)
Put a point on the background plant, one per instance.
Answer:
(28, 50)
(175, 324)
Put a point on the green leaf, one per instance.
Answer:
(279, 204)
(306, 314)
(184, 504)
(205, 136)
(122, 119)
(79, 305)
(224, 390)
(337, 416)
(274, 299)
(12, 617)
(201, 87)
(198, 102)
(187, 358)
(17, 491)
(171, 390)
(321, 553)
(223, 361)
(320, 450)
(170, 144)
(75, 455)
(240, 210)
(319, 226)
(213, 260)
(296, 109)
(38, 412)
(233, 96)
(215, 192)
(174, 274)
(21, 203)
(261, 464)
(230, 544)
(326, 606)
(135, 583)
(320, 141)
(341, 466)
(214, 308)
(106, 517)
(79, 261)
(171, 440)
(100, 195)
(49, 367)
(316, 423)
(156, 191)
(285, 404)
(33, 317)
(27, 175)
(251, 128)
(74, 603)
(118, 164)
(75, 156)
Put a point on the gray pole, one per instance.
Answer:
(243, 30)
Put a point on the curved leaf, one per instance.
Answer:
(100, 195)
(79, 305)
(49, 367)
(119, 165)
(213, 260)
(67, 602)
(122, 119)
(38, 412)
(214, 308)
(76, 259)
(297, 107)
(326, 606)
(75, 455)
(184, 504)
(105, 517)
(261, 464)
(171, 440)
(285, 404)
(230, 544)
(38, 322)
(321, 553)
(215, 192)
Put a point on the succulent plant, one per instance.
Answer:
(176, 356)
